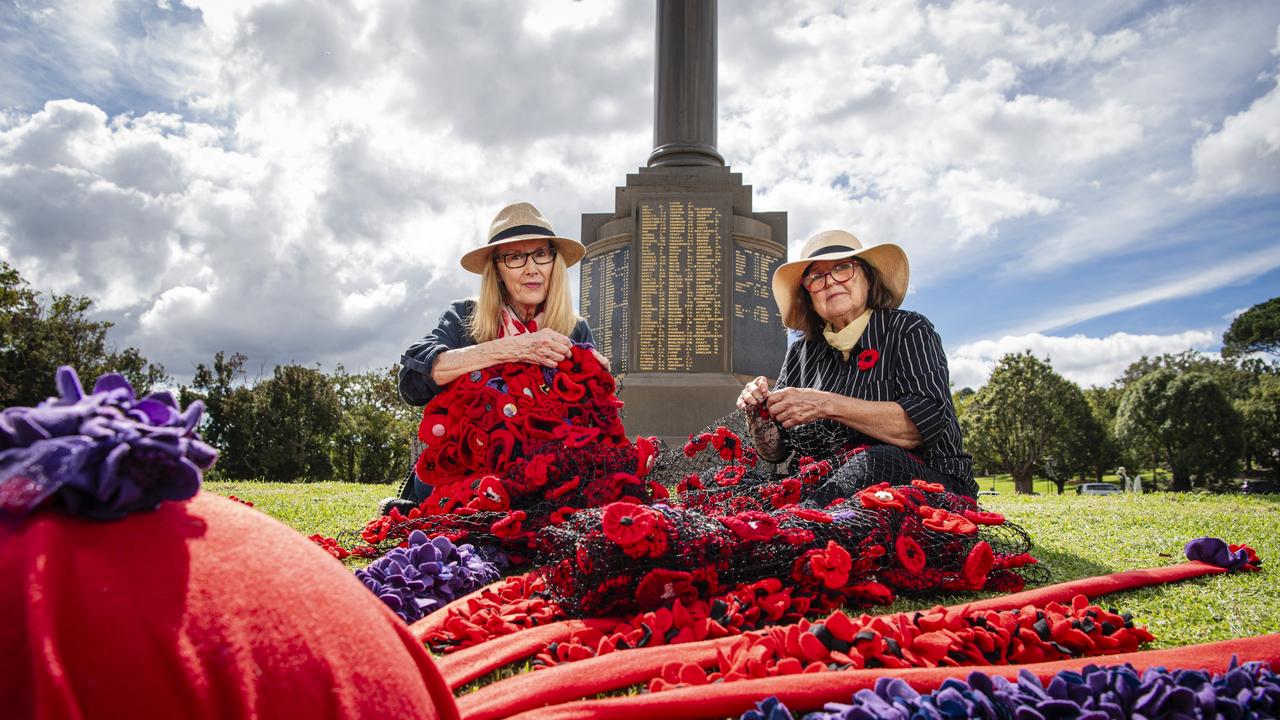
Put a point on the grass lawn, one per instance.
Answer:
(1078, 536)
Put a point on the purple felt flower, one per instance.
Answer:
(1095, 693)
(1216, 552)
(426, 575)
(103, 455)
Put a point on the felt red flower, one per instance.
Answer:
(752, 526)
(330, 546)
(661, 586)
(882, 497)
(730, 475)
(639, 530)
(509, 527)
(977, 565)
(910, 555)
(1253, 562)
(947, 522)
(867, 358)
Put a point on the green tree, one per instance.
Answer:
(1186, 418)
(1256, 330)
(371, 444)
(1261, 414)
(230, 420)
(37, 335)
(1020, 417)
(296, 414)
(1079, 439)
(1104, 402)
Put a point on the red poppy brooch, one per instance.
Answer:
(868, 358)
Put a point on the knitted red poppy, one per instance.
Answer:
(867, 358)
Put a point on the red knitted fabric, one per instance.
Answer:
(202, 609)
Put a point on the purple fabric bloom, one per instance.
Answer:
(1094, 693)
(103, 455)
(770, 708)
(1216, 552)
(426, 575)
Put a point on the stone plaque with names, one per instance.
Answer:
(681, 314)
(755, 314)
(606, 295)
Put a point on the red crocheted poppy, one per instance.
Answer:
(562, 514)
(646, 455)
(730, 475)
(564, 488)
(796, 536)
(947, 522)
(490, 494)
(752, 526)
(811, 515)
(928, 486)
(910, 555)
(639, 530)
(867, 358)
(882, 497)
(783, 493)
(692, 481)
(509, 527)
(984, 518)
(697, 444)
(977, 565)
(540, 470)
(870, 593)
(662, 587)
(830, 565)
(658, 490)
(728, 444)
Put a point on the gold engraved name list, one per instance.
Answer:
(681, 318)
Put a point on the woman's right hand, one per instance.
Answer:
(545, 347)
(754, 394)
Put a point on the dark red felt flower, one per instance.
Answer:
(910, 555)
(639, 530)
(752, 526)
(882, 497)
(867, 358)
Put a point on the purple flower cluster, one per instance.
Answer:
(1250, 690)
(422, 577)
(104, 455)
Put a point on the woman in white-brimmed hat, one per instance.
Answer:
(523, 313)
(865, 375)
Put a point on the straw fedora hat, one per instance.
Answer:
(516, 222)
(888, 259)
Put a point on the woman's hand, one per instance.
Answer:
(797, 406)
(545, 347)
(603, 360)
(753, 394)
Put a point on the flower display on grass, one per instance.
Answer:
(426, 574)
(100, 455)
(1251, 690)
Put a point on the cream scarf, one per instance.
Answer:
(845, 339)
(511, 324)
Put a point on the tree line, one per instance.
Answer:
(1199, 417)
(299, 423)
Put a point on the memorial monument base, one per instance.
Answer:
(673, 405)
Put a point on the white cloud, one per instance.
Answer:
(1082, 359)
(1244, 156)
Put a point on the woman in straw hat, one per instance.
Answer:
(523, 313)
(865, 374)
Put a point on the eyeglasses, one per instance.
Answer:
(517, 260)
(815, 281)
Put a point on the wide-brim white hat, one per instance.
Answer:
(516, 222)
(889, 260)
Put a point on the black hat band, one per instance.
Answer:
(522, 230)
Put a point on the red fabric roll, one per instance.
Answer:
(201, 609)
(476, 661)
(808, 692)
(1094, 587)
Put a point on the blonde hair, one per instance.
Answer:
(557, 311)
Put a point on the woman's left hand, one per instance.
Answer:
(797, 406)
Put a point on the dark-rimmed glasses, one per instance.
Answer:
(818, 279)
(517, 260)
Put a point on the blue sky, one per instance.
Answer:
(296, 180)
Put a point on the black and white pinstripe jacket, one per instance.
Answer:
(911, 371)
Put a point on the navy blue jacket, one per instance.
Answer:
(453, 332)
